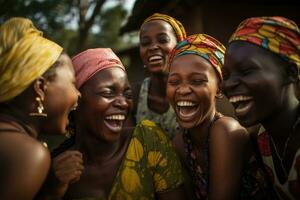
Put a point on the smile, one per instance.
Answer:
(186, 110)
(242, 104)
(115, 122)
(156, 59)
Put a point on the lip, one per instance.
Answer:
(155, 59)
(242, 104)
(115, 121)
(186, 110)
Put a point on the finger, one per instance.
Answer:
(68, 154)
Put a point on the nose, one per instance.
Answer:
(184, 89)
(121, 102)
(229, 84)
(153, 46)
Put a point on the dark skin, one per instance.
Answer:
(265, 77)
(27, 165)
(192, 88)
(157, 38)
(101, 141)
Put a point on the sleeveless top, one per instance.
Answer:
(253, 184)
(167, 120)
(264, 146)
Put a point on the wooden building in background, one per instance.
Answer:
(218, 18)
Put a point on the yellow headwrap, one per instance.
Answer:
(176, 25)
(24, 56)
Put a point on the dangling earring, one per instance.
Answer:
(219, 95)
(145, 66)
(40, 109)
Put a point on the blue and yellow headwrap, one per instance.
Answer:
(24, 56)
(176, 25)
(204, 46)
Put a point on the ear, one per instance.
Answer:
(40, 86)
(292, 73)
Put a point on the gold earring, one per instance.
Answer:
(40, 109)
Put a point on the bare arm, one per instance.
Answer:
(66, 169)
(229, 149)
(24, 166)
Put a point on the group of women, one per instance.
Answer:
(163, 139)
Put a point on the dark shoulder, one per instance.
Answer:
(24, 165)
(23, 148)
(229, 128)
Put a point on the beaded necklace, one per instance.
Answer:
(199, 175)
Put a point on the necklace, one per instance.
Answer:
(281, 158)
(287, 141)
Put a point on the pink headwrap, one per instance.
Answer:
(91, 61)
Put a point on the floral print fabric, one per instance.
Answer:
(150, 165)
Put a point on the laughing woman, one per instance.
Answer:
(214, 149)
(112, 163)
(158, 36)
(37, 92)
(261, 73)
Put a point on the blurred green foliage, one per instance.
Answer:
(60, 21)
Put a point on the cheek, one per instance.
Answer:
(170, 93)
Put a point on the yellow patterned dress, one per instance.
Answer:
(150, 165)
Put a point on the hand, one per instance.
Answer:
(294, 186)
(68, 167)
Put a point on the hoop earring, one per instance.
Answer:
(40, 109)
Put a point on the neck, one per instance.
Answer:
(200, 132)
(22, 116)
(282, 121)
(159, 82)
(94, 149)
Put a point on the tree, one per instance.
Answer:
(54, 18)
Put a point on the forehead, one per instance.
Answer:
(241, 53)
(155, 26)
(191, 63)
(64, 62)
(109, 76)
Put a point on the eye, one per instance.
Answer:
(128, 94)
(173, 81)
(144, 42)
(198, 81)
(106, 93)
(247, 71)
(163, 39)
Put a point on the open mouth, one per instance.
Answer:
(115, 122)
(155, 60)
(186, 110)
(241, 104)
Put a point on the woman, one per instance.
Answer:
(261, 74)
(112, 163)
(213, 148)
(158, 36)
(35, 74)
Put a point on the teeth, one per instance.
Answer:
(152, 58)
(115, 117)
(239, 98)
(185, 103)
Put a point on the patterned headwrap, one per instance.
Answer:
(204, 46)
(277, 34)
(24, 56)
(176, 25)
(91, 61)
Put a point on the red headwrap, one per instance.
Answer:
(91, 61)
